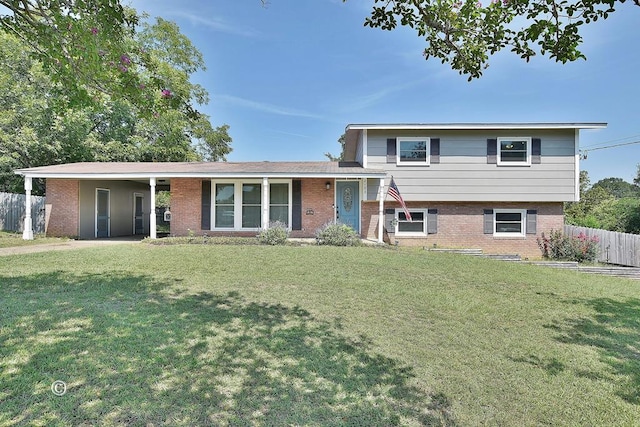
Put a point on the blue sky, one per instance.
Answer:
(289, 77)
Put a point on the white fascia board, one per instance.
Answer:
(88, 176)
(475, 126)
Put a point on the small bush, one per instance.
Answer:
(559, 246)
(276, 234)
(336, 234)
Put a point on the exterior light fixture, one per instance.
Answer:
(328, 185)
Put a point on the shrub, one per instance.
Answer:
(276, 234)
(337, 234)
(559, 246)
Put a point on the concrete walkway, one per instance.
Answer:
(67, 245)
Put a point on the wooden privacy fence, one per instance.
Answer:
(12, 212)
(613, 247)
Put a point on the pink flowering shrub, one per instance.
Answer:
(558, 246)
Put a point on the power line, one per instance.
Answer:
(614, 145)
(583, 153)
(614, 140)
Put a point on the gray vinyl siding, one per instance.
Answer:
(464, 175)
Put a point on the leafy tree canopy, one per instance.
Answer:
(342, 141)
(81, 44)
(93, 50)
(618, 187)
(464, 33)
(610, 204)
(41, 125)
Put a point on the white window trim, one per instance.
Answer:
(514, 138)
(412, 233)
(523, 218)
(427, 159)
(237, 201)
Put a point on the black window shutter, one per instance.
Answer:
(206, 205)
(488, 221)
(492, 151)
(391, 150)
(389, 216)
(432, 221)
(532, 220)
(296, 206)
(435, 150)
(536, 151)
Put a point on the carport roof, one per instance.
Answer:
(138, 170)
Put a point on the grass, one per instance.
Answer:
(257, 335)
(10, 239)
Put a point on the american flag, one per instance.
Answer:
(395, 193)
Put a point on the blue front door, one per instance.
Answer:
(348, 203)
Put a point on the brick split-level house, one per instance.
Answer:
(496, 187)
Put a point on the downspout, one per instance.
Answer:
(27, 233)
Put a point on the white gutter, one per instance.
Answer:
(474, 126)
(26, 173)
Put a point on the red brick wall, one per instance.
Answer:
(460, 225)
(63, 207)
(317, 199)
(186, 206)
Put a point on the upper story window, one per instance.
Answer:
(412, 150)
(514, 151)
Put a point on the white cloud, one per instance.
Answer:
(265, 107)
(217, 24)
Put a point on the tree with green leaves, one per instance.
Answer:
(463, 33)
(93, 49)
(80, 44)
(610, 204)
(342, 141)
(618, 187)
(40, 124)
(636, 180)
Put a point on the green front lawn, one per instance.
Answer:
(255, 335)
(10, 239)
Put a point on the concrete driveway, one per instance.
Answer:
(68, 244)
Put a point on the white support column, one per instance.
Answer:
(27, 233)
(381, 211)
(265, 203)
(152, 211)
